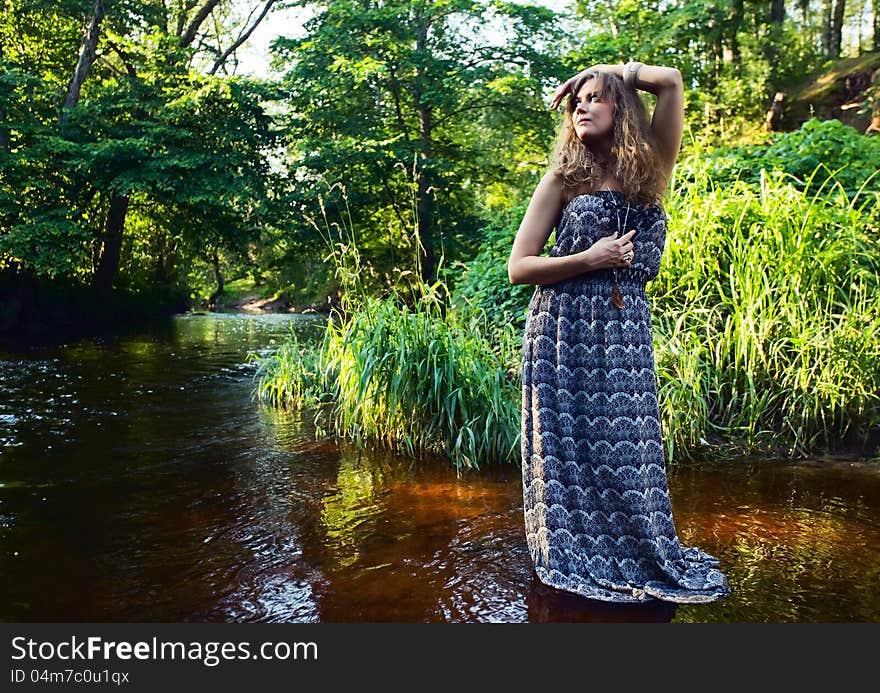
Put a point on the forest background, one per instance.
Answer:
(380, 169)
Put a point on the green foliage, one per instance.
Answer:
(820, 150)
(418, 124)
(732, 57)
(767, 319)
(189, 151)
(482, 285)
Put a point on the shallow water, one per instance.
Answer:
(139, 481)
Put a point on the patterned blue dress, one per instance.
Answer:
(596, 499)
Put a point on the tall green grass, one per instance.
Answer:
(766, 319)
(410, 378)
(404, 371)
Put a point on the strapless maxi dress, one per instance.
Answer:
(598, 516)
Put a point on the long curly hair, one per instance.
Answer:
(636, 160)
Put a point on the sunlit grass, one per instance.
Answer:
(766, 319)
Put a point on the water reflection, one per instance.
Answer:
(140, 482)
(548, 605)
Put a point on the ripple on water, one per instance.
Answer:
(173, 496)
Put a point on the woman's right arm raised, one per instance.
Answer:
(526, 266)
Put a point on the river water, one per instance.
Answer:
(139, 481)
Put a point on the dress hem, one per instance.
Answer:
(637, 595)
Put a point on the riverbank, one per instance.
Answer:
(246, 296)
(257, 305)
(35, 311)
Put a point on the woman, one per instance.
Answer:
(597, 509)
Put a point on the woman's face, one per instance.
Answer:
(593, 117)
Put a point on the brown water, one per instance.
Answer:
(140, 482)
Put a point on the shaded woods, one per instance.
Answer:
(129, 159)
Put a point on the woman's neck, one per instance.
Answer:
(601, 150)
(605, 164)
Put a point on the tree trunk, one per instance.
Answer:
(804, 6)
(837, 28)
(777, 11)
(189, 34)
(774, 25)
(426, 227)
(773, 118)
(733, 53)
(218, 277)
(875, 43)
(826, 27)
(108, 265)
(4, 131)
(858, 22)
(425, 189)
(612, 24)
(87, 57)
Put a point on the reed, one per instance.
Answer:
(403, 372)
(409, 378)
(766, 318)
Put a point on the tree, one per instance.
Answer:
(832, 27)
(415, 110)
(135, 128)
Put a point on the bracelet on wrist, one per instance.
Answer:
(631, 73)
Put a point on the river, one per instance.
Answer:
(140, 482)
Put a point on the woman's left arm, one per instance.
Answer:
(666, 84)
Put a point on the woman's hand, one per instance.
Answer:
(567, 86)
(611, 252)
(667, 118)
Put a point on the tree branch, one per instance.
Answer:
(395, 91)
(87, 57)
(126, 63)
(182, 11)
(189, 35)
(241, 39)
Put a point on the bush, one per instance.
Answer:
(819, 151)
(483, 286)
(418, 380)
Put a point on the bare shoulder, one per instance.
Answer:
(549, 192)
(542, 214)
(552, 182)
